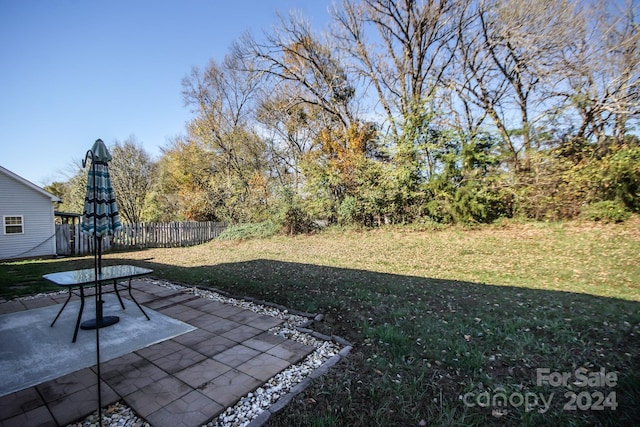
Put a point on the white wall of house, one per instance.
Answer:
(24, 202)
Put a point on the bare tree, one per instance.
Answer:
(131, 170)
(401, 48)
(222, 97)
(302, 67)
(506, 60)
(305, 90)
(291, 130)
(602, 71)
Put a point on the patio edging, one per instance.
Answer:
(281, 403)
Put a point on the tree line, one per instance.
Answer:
(401, 111)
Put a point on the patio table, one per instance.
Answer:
(80, 278)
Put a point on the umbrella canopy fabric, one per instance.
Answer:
(100, 208)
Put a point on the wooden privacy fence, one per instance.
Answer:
(69, 240)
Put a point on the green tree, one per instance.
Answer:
(185, 190)
(72, 191)
(463, 187)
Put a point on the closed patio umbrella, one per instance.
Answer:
(100, 218)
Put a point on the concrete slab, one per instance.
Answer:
(32, 352)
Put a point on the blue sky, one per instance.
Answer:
(75, 71)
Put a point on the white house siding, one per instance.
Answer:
(36, 209)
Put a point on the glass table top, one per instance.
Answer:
(81, 277)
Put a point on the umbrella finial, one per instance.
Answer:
(100, 151)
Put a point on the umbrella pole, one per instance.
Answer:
(98, 303)
(97, 267)
(98, 270)
(98, 261)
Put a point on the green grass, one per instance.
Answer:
(434, 314)
(20, 278)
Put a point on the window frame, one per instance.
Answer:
(5, 224)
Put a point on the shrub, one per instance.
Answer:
(296, 221)
(606, 211)
(426, 224)
(249, 231)
(621, 180)
(349, 212)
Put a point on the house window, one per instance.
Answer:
(13, 225)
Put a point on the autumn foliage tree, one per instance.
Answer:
(335, 169)
(218, 171)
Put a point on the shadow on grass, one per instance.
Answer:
(435, 350)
